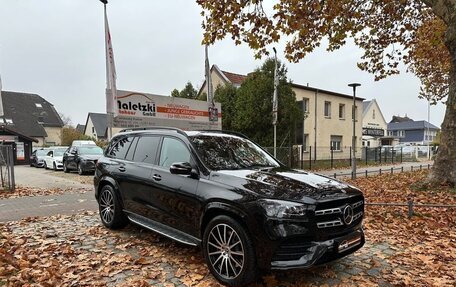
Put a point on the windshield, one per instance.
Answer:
(220, 152)
(90, 150)
(59, 152)
(41, 152)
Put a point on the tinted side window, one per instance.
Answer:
(131, 150)
(173, 150)
(120, 148)
(146, 149)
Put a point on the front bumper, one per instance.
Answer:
(88, 165)
(306, 254)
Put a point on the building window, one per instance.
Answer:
(401, 133)
(341, 111)
(336, 143)
(327, 109)
(355, 112)
(305, 142)
(93, 130)
(305, 105)
(38, 105)
(373, 114)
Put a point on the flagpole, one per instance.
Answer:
(275, 103)
(109, 83)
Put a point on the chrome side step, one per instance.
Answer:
(164, 230)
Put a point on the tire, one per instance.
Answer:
(80, 170)
(110, 210)
(65, 168)
(234, 263)
(54, 166)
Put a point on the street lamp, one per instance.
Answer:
(354, 85)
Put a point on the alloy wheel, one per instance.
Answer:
(107, 206)
(225, 251)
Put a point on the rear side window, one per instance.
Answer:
(146, 149)
(172, 151)
(120, 148)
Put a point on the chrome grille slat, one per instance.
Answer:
(328, 211)
(329, 224)
(356, 204)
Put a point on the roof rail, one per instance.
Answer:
(226, 132)
(153, 128)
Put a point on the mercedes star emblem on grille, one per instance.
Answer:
(348, 214)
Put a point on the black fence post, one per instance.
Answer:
(410, 208)
(380, 171)
(402, 169)
(401, 154)
(421, 167)
(411, 169)
(310, 157)
(350, 156)
(332, 158)
(366, 172)
(392, 170)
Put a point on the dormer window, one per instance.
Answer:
(40, 120)
(38, 105)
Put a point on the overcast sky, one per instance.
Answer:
(55, 48)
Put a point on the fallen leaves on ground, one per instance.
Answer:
(21, 191)
(78, 251)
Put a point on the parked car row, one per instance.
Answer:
(81, 156)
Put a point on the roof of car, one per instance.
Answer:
(164, 130)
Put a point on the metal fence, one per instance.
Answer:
(326, 157)
(7, 168)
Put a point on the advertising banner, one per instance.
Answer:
(134, 109)
(20, 151)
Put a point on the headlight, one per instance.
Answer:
(285, 209)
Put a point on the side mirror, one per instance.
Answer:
(73, 152)
(184, 168)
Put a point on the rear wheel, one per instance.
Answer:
(111, 213)
(229, 252)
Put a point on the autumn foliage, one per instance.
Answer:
(78, 251)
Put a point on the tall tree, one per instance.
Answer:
(253, 112)
(188, 92)
(226, 95)
(420, 33)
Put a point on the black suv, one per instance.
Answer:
(81, 158)
(220, 191)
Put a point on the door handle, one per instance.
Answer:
(122, 168)
(157, 177)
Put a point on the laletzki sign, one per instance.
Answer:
(133, 109)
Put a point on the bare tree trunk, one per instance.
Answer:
(444, 170)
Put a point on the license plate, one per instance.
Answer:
(349, 243)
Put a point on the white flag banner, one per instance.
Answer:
(1, 99)
(275, 100)
(111, 89)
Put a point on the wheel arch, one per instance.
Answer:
(214, 209)
(106, 180)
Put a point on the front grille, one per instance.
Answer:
(292, 250)
(332, 215)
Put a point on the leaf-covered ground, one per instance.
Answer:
(77, 251)
(21, 191)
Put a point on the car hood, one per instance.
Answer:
(90, 156)
(286, 184)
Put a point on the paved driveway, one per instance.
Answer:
(78, 194)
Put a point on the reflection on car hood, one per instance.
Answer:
(58, 158)
(287, 184)
(90, 156)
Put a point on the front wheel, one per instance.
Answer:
(65, 167)
(111, 213)
(229, 252)
(80, 170)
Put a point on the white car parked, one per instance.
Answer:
(54, 158)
